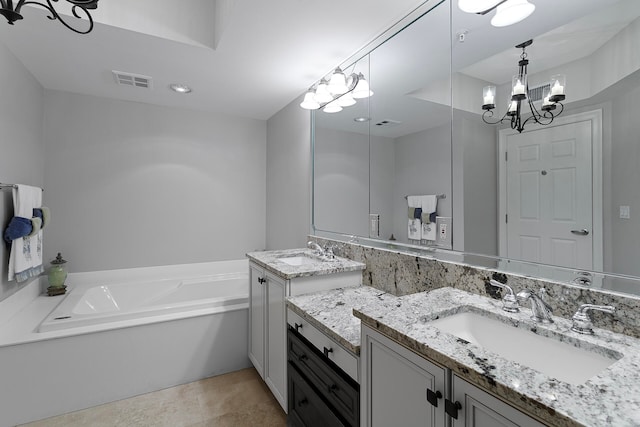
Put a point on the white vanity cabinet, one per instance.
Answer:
(267, 319)
(400, 387)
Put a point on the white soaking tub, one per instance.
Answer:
(118, 334)
(99, 304)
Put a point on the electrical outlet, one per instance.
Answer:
(374, 225)
(443, 230)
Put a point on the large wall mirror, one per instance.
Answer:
(563, 198)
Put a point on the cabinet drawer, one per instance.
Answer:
(306, 408)
(340, 391)
(346, 360)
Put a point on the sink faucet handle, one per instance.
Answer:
(582, 321)
(509, 301)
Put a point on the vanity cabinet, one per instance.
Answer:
(400, 387)
(267, 319)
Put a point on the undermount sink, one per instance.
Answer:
(298, 260)
(548, 355)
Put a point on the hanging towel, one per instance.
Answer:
(25, 259)
(414, 226)
(429, 231)
(414, 229)
(429, 203)
(18, 227)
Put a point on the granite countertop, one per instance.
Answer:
(332, 311)
(611, 398)
(270, 261)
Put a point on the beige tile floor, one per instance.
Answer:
(236, 399)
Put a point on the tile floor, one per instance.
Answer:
(236, 399)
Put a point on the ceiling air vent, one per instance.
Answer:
(536, 93)
(388, 123)
(130, 79)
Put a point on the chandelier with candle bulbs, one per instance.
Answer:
(337, 92)
(552, 94)
(10, 9)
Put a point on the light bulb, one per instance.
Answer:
(477, 6)
(332, 108)
(337, 83)
(309, 102)
(322, 93)
(511, 12)
(362, 89)
(346, 100)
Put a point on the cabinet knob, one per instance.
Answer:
(303, 402)
(261, 280)
(433, 397)
(333, 388)
(297, 326)
(302, 358)
(327, 351)
(452, 408)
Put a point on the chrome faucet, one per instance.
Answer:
(509, 301)
(540, 310)
(316, 247)
(581, 320)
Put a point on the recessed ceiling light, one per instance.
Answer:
(180, 88)
(361, 119)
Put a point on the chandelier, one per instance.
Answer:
(80, 9)
(339, 91)
(521, 96)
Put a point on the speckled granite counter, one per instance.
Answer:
(332, 311)
(270, 260)
(611, 398)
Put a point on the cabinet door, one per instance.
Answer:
(395, 384)
(481, 409)
(276, 361)
(257, 327)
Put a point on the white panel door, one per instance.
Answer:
(549, 196)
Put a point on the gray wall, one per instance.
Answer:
(21, 144)
(288, 205)
(422, 166)
(625, 183)
(133, 185)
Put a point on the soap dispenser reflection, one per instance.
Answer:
(57, 276)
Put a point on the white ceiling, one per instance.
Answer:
(259, 56)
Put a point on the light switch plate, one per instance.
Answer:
(625, 212)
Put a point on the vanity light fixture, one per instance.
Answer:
(180, 88)
(508, 12)
(337, 92)
(552, 94)
(79, 9)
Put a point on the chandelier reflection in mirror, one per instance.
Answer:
(339, 91)
(80, 10)
(551, 95)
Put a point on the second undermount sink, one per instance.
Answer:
(561, 360)
(298, 260)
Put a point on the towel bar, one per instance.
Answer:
(2, 186)
(438, 196)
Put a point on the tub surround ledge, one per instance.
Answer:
(270, 260)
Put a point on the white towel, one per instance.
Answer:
(25, 260)
(429, 204)
(414, 201)
(414, 231)
(429, 231)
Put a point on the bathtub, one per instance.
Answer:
(114, 302)
(121, 333)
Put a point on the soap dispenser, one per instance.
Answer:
(57, 276)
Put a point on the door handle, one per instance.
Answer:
(582, 232)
